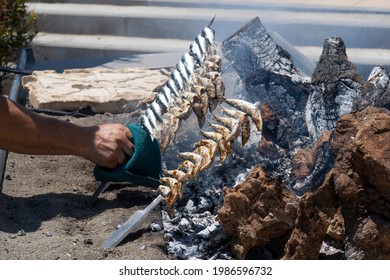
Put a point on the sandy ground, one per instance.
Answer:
(44, 212)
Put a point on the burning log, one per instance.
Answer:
(269, 76)
(335, 84)
(376, 91)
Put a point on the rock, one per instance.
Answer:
(303, 163)
(335, 84)
(370, 239)
(352, 206)
(154, 226)
(103, 89)
(21, 233)
(347, 217)
(371, 157)
(362, 181)
(88, 241)
(269, 150)
(257, 211)
(313, 219)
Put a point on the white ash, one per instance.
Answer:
(331, 250)
(320, 116)
(194, 232)
(155, 226)
(379, 77)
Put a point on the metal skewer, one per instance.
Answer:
(130, 224)
(102, 187)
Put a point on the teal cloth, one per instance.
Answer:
(143, 168)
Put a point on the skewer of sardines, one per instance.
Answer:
(195, 85)
(174, 91)
(225, 130)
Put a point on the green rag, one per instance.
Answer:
(143, 168)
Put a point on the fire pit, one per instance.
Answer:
(296, 154)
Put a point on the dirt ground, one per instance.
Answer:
(44, 212)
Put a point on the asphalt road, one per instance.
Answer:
(88, 32)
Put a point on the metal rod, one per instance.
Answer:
(102, 187)
(15, 71)
(13, 96)
(130, 224)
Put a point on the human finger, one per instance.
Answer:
(121, 158)
(128, 149)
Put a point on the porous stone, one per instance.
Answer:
(313, 219)
(349, 212)
(102, 89)
(353, 204)
(362, 181)
(257, 211)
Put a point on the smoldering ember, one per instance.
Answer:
(315, 184)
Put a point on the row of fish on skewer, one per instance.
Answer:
(175, 91)
(196, 85)
(201, 97)
(225, 129)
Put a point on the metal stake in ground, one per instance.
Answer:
(130, 224)
(102, 187)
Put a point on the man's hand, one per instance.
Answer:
(110, 145)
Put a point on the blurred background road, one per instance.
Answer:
(87, 33)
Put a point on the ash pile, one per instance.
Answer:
(316, 185)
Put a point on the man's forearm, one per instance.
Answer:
(22, 131)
